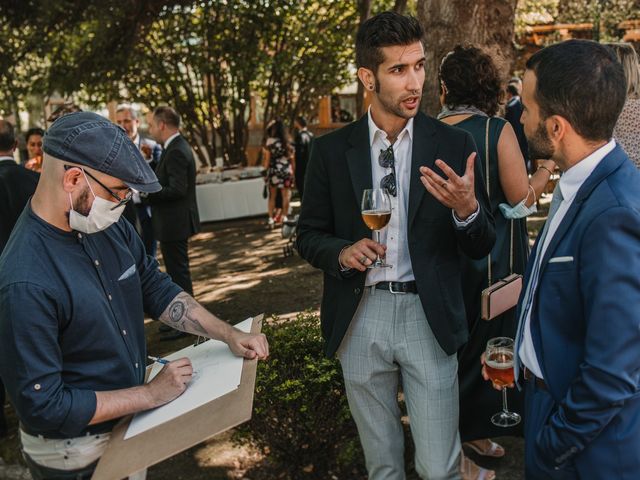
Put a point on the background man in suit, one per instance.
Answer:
(138, 212)
(17, 184)
(302, 144)
(174, 211)
(512, 114)
(408, 319)
(579, 329)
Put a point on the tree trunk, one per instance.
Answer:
(364, 11)
(488, 24)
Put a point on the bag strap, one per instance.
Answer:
(486, 161)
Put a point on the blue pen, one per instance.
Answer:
(158, 359)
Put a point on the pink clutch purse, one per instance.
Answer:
(501, 296)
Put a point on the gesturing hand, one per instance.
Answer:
(455, 192)
(361, 254)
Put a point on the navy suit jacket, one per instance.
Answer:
(585, 326)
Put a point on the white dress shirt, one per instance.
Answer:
(394, 236)
(169, 140)
(570, 183)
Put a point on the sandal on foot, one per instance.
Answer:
(491, 449)
(471, 471)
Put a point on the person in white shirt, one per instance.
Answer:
(407, 321)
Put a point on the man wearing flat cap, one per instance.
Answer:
(75, 283)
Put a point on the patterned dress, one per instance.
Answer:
(280, 172)
(626, 131)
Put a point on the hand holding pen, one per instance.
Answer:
(172, 380)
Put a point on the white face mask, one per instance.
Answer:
(520, 210)
(517, 211)
(101, 216)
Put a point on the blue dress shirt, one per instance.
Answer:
(72, 320)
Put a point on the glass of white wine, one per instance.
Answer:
(376, 213)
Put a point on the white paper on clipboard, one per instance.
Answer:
(218, 372)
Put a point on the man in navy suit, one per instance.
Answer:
(578, 342)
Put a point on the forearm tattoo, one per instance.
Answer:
(180, 314)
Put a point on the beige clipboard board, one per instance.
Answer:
(125, 457)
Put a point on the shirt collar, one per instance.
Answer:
(136, 139)
(4, 158)
(170, 139)
(572, 179)
(375, 130)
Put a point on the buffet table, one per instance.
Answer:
(231, 199)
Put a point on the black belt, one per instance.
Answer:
(398, 287)
(529, 376)
(99, 429)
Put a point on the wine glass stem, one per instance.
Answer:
(377, 232)
(504, 400)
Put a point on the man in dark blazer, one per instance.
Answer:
(17, 184)
(174, 211)
(579, 333)
(408, 319)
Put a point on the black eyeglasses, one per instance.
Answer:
(387, 160)
(121, 201)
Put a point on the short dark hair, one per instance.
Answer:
(167, 115)
(33, 131)
(384, 30)
(471, 78)
(582, 81)
(301, 121)
(7, 136)
(513, 90)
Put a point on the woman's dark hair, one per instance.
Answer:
(583, 82)
(470, 77)
(276, 129)
(387, 29)
(33, 131)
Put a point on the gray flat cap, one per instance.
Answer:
(88, 139)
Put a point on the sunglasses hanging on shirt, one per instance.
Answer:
(387, 160)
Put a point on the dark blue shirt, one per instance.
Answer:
(71, 320)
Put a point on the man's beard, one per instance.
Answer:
(81, 205)
(393, 106)
(540, 146)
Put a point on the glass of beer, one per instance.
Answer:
(376, 213)
(498, 361)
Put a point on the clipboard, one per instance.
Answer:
(125, 457)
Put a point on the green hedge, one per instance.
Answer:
(301, 418)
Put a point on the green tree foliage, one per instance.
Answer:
(309, 45)
(204, 57)
(605, 15)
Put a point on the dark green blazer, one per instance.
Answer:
(338, 172)
(174, 210)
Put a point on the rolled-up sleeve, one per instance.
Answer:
(31, 363)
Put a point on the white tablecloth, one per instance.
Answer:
(222, 201)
